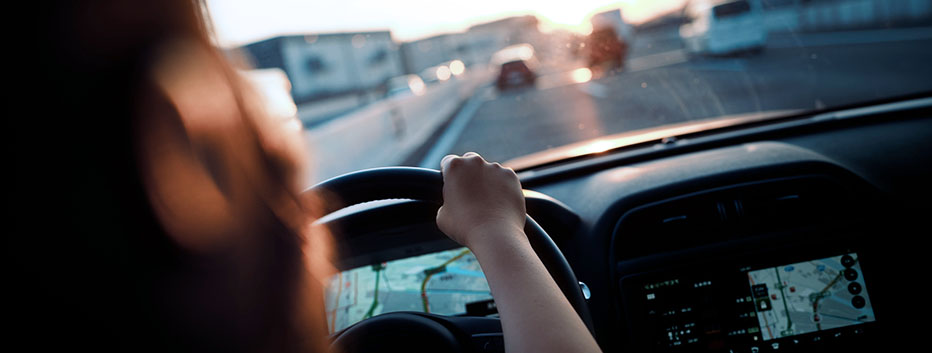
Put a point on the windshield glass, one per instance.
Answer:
(381, 83)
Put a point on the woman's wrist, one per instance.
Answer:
(495, 238)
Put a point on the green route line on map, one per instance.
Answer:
(377, 268)
(789, 322)
(430, 272)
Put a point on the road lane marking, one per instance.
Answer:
(594, 89)
(455, 130)
(654, 61)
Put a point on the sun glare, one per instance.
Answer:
(596, 146)
(574, 16)
(546, 25)
(581, 75)
(240, 21)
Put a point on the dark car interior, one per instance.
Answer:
(666, 238)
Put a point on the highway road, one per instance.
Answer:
(665, 86)
(662, 84)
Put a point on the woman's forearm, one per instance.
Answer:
(535, 315)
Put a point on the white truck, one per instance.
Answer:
(720, 27)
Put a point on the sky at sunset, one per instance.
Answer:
(241, 21)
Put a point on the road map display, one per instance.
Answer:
(441, 283)
(810, 296)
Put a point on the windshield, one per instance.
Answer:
(384, 83)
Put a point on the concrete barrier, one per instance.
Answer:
(387, 132)
(313, 112)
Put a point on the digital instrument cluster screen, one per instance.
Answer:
(446, 282)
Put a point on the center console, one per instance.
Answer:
(774, 265)
(800, 305)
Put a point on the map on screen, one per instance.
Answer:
(441, 283)
(810, 296)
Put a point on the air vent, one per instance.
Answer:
(727, 213)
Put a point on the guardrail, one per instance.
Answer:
(387, 132)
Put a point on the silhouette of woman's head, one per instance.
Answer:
(184, 204)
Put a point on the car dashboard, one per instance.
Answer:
(797, 237)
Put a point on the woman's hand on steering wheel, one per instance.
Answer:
(484, 210)
(481, 199)
(540, 305)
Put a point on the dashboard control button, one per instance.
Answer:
(854, 288)
(847, 261)
(858, 302)
(851, 274)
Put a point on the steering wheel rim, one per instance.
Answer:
(427, 185)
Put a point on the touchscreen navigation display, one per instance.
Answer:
(810, 296)
(738, 307)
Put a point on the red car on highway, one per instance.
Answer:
(518, 64)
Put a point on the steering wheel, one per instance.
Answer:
(414, 331)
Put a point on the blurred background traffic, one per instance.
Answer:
(507, 83)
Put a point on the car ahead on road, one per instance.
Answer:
(605, 49)
(445, 71)
(607, 45)
(517, 66)
(719, 27)
(457, 67)
(436, 74)
(404, 86)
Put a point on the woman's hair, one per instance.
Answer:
(169, 201)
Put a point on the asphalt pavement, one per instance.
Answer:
(663, 85)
